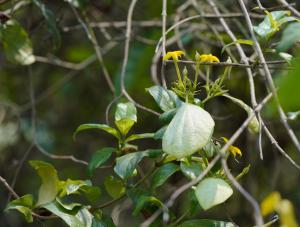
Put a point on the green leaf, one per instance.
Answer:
(167, 116)
(166, 99)
(81, 219)
(24, 205)
(211, 149)
(92, 193)
(212, 191)
(293, 115)
(190, 130)
(69, 186)
(272, 22)
(126, 111)
(206, 223)
(139, 136)
(126, 164)
(103, 221)
(16, 43)
(99, 158)
(114, 187)
(50, 182)
(124, 125)
(239, 41)
(51, 21)
(69, 206)
(162, 174)
(103, 127)
(160, 133)
(191, 170)
(290, 35)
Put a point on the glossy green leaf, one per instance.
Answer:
(206, 223)
(16, 43)
(162, 174)
(99, 158)
(103, 127)
(166, 99)
(114, 187)
(160, 133)
(139, 136)
(24, 205)
(70, 206)
(51, 22)
(191, 170)
(69, 186)
(272, 23)
(124, 125)
(211, 149)
(126, 164)
(167, 116)
(290, 35)
(50, 182)
(81, 219)
(212, 191)
(190, 130)
(126, 111)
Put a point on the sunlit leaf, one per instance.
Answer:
(124, 125)
(103, 127)
(50, 182)
(290, 35)
(238, 41)
(24, 205)
(189, 131)
(139, 136)
(166, 99)
(162, 174)
(16, 43)
(212, 191)
(114, 187)
(126, 111)
(99, 158)
(69, 186)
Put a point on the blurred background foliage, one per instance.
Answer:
(66, 98)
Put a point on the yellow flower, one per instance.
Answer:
(174, 55)
(207, 58)
(269, 204)
(233, 150)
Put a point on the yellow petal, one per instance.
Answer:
(174, 55)
(270, 203)
(208, 58)
(286, 213)
(232, 149)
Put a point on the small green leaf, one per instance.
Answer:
(69, 186)
(290, 35)
(124, 125)
(206, 223)
(92, 193)
(293, 115)
(82, 218)
(126, 164)
(69, 206)
(24, 205)
(16, 43)
(99, 158)
(212, 191)
(103, 127)
(162, 174)
(51, 21)
(114, 187)
(50, 182)
(166, 99)
(239, 41)
(191, 170)
(126, 111)
(190, 130)
(139, 136)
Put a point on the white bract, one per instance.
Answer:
(190, 130)
(212, 191)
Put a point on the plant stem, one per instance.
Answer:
(178, 72)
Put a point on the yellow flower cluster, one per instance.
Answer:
(274, 203)
(207, 58)
(174, 55)
(232, 149)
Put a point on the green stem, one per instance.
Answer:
(207, 78)
(178, 72)
(196, 75)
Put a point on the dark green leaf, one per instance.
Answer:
(24, 205)
(50, 182)
(166, 99)
(290, 36)
(139, 136)
(114, 187)
(92, 193)
(102, 221)
(16, 43)
(70, 206)
(99, 158)
(124, 125)
(167, 116)
(51, 21)
(160, 133)
(126, 111)
(103, 127)
(191, 170)
(206, 223)
(162, 174)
